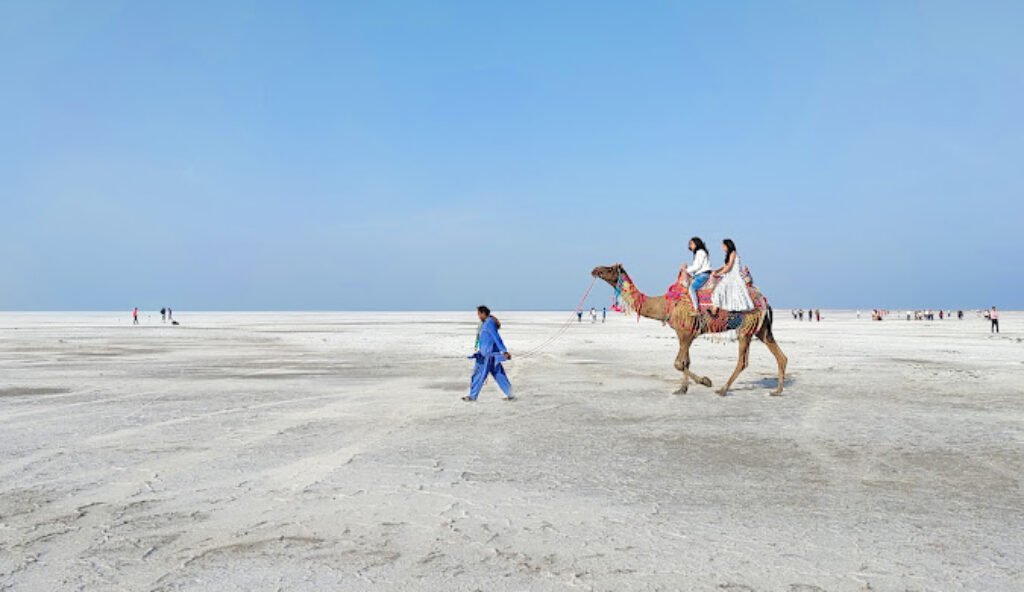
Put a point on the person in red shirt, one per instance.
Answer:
(135, 316)
(993, 316)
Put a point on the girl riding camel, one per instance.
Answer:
(699, 270)
(731, 292)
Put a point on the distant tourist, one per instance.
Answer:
(801, 313)
(593, 315)
(163, 315)
(490, 353)
(960, 315)
(817, 315)
(993, 316)
(135, 316)
(170, 314)
(604, 314)
(579, 316)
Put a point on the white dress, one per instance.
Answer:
(731, 292)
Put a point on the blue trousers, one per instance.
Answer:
(483, 367)
(695, 285)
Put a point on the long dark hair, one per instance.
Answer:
(730, 248)
(698, 245)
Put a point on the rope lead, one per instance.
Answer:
(562, 329)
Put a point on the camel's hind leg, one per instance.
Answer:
(780, 359)
(765, 335)
(741, 364)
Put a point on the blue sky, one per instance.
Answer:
(436, 155)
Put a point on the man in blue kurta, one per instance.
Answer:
(490, 353)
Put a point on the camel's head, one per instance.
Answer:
(609, 274)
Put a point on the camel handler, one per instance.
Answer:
(490, 353)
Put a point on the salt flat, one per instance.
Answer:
(330, 451)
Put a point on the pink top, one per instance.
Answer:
(993, 314)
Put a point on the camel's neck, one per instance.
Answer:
(632, 299)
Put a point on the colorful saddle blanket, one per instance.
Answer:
(681, 289)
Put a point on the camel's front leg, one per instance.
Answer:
(682, 363)
(704, 380)
(741, 363)
(683, 360)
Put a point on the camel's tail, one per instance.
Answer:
(766, 327)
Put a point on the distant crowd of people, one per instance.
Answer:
(992, 315)
(929, 315)
(878, 314)
(166, 315)
(813, 314)
(593, 315)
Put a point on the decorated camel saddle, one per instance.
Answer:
(682, 287)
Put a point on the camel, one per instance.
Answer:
(688, 324)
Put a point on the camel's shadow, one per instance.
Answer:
(771, 383)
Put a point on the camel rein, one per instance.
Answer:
(562, 328)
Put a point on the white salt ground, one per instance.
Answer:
(330, 451)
